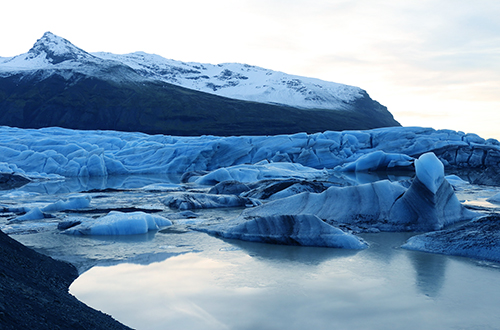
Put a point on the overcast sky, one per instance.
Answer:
(432, 63)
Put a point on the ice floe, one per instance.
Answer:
(306, 230)
(119, 223)
(190, 201)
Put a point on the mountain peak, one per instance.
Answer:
(57, 49)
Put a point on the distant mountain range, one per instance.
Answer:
(58, 84)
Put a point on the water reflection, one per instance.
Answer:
(430, 272)
(356, 178)
(78, 184)
(243, 285)
(282, 253)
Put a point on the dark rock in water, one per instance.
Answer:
(229, 187)
(478, 239)
(12, 180)
(34, 293)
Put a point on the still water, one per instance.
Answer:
(231, 284)
(182, 279)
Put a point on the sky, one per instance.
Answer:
(432, 63)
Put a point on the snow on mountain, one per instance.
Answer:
(48, 52)
(56, 55)
(242, 81)
(52, 54)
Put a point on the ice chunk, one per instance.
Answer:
(455, 180)
(479, 239)
(72, 203)
(306, 230)
(376, 161)
(33, 214)
(119, 223)
(430, 171)
(275, 189)
(364, 205)
(430, 203)
(190, 201)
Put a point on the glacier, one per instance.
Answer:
(55, 153)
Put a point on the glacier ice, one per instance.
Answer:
(479, 239)
(56, 153)
(119, 223)
(304, 229)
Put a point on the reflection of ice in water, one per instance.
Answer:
(259, 286)
(430, 272)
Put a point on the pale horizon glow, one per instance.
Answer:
(432, 63)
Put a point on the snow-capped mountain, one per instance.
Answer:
(55, 55)
(243, 82)
(59, 84)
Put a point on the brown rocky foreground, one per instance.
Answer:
(34, 293)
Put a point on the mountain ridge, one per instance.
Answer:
(58, 84)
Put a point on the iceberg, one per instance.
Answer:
(478, 239)
(428, 204)
(276, 189)
(119, 223)
(190, 201)
(305, 230)
(33, 214)
(72, 203)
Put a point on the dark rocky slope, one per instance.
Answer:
(154, 107)
(34, 293)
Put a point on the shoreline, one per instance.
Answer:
(34, 293)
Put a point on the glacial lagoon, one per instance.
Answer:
(177, 278)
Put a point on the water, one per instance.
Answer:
(242, 285)
(181, 279)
